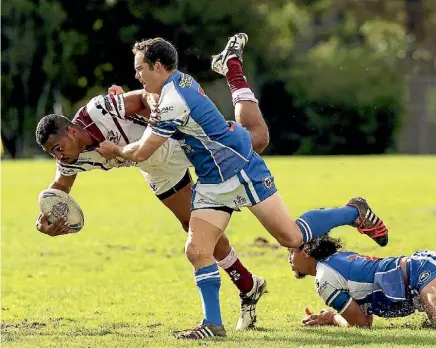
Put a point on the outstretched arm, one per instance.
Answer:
(352, 316)
(247, 114)
(138, 151)
(59, 226)
(165, 123)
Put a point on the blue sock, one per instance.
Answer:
(208, 282)
(315, 223)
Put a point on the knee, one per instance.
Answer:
(261, 140)
(197, 253)
(291, 238)
(191, 253)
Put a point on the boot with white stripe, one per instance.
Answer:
(234, 49)
(368, 223)
(201, 332)
(247, 316)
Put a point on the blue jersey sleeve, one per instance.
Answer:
(172, 112)
(332, 288)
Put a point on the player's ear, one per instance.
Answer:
(71, 131)
(159, 67)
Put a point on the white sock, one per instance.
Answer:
(243, 94)
(229, 260)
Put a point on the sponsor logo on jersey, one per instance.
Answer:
(119, 102)
(66, 171)
(153, 187)
(239, 201)
(321, 288)
(124, 163)
(363, 257)
(205, 201)
(108, 103)
(101, 108)
(423, 277)
(185, 81)
(201, 91)
(185, 147)
(115, 137)
(268, 182)
(138, 119)
(165, 109)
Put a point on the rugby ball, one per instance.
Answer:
(60, 204)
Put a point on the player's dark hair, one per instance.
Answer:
(158, 50)
(48, 125)
(322, 247)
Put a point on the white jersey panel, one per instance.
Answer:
(104, 119)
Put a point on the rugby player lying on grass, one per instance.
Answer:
(358, 286)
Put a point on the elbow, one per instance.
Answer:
(261, 141)
(139, 157)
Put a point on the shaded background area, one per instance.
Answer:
(332, 76)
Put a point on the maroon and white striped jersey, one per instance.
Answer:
(104, 118)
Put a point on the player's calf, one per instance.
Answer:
(205, 228)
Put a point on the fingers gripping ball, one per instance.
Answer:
(60, 204)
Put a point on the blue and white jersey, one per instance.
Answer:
(377, 284)
(217, 149)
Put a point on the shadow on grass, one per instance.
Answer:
(263, 329)
(351, 337)
(255, 337)
(374, 336)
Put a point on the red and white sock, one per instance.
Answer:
(239, 275)
(238, 83)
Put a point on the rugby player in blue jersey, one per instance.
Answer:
(230, 174)
(358, 286)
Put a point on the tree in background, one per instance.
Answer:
(343, 91)
(57, 54)
(330, 71)
(37, 55)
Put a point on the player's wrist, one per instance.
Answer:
(330, 316)
(120, 151)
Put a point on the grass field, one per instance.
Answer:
(123, 281)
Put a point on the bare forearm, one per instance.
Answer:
(142, 149)
(365, 321)
(131, 152)
(135, 103)
(63, 183)
(58, 186)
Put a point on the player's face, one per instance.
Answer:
(297, 259)
(64, 146)
(151, 79)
